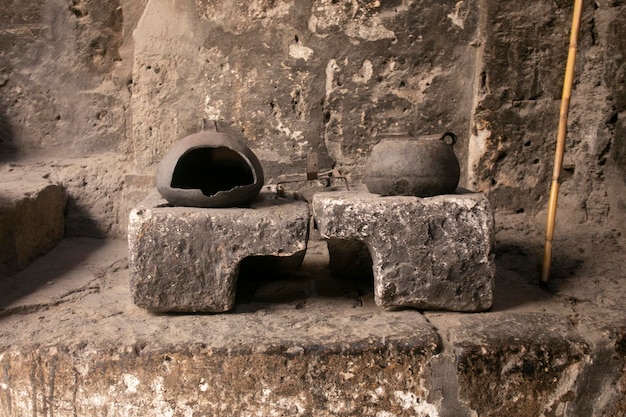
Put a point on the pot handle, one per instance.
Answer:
(448, 138)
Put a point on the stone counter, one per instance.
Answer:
(429, 253)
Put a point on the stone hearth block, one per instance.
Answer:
(428, 253)
(187, 259)
(31, 222)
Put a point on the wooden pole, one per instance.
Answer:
(560, 141)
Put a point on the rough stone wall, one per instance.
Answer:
(615, 78)
(295, 77)
(60, 89)
(65, 102)
(515, 123)
(123, 79)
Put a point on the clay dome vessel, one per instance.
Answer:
(210, 169)
(421, 166)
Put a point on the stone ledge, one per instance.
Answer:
(78, 346)
(541, 355)
(428, 253)
(187, 259)
(31, 221)
(530, 364)
(358, 362)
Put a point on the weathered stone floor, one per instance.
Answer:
(72, 343)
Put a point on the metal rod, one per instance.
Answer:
(560, 141)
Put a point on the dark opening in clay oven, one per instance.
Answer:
(211, 170)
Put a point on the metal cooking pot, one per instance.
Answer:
(420, 166)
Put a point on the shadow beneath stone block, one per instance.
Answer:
(260, 287)
(350, 259)
(254, 270)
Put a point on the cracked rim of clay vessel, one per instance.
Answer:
(210, 169)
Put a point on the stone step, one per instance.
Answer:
(307, 346)
(31, 221)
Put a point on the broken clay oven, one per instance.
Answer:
(210, 169)
(403, 165)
